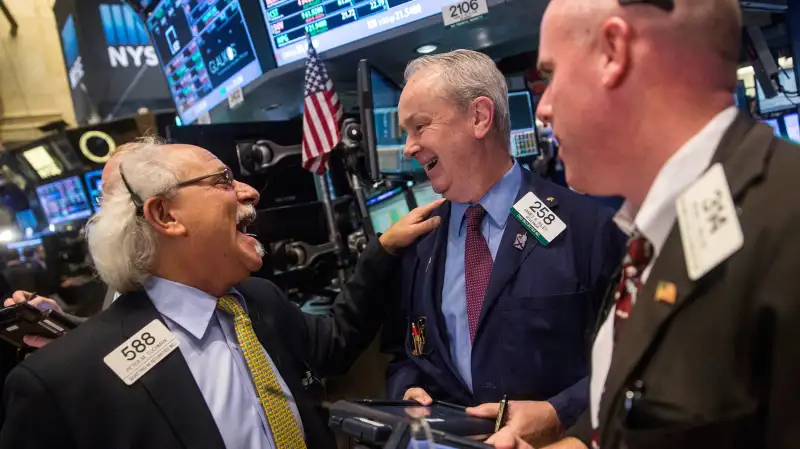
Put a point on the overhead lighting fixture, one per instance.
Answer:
(426, 49)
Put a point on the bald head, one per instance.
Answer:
(630, 84)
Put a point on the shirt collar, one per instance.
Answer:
(497, 202)
(188, 307)
(657, 215)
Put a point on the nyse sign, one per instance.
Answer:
(136, 56)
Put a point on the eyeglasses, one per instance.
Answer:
(225, 174)
(666, 5)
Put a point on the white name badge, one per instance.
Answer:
(538, 219)
(140, 353)
(710, 229)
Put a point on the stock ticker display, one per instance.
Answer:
(334, 23)
(205, 50)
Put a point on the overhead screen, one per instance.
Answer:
(205, 51)
(334, 23)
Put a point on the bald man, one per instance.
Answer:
(697, 346)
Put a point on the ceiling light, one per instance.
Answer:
(425, 49)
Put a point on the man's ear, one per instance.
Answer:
(615, 45)
(482, 116)
(157, 213)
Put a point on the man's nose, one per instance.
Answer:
(544, 111)
(246, 194)
(411, 148)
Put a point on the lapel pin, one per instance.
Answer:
(520, 241)
(666, 292)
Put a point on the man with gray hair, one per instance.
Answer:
(491, 305)
(697, 347)
(194, 354)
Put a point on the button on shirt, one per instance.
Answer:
(208, 343)
(655, 220)
(497, 203)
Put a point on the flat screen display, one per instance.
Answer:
(333, 23)
(387, 209)
(776, 127)
(781, 102)
(26, 219)
(205, 52)
(792, 122)
(42, 162)
(64, 200)
(94, 182)
(523, 125)
(424, 194)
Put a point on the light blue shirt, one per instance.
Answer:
(208, 343)
(497, 203)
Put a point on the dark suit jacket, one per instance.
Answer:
(64, 396)
(535, 326)
(719, 368)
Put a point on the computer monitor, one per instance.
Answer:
(387, 209)
(205, 50)
(26, 220)
(792, 123)
(336, 23)
(782, 101)
(94, 183)
(64, 200)
(775, 124)
(384, 139)
(424, 194)
(524, 141)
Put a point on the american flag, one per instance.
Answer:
(323, 111)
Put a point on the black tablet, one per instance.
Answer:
(24, 319)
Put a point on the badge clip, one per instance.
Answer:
(418, 336)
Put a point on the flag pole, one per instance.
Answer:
(333, 230)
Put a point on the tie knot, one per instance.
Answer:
(229, 304)
(640, 251)
(475, 214)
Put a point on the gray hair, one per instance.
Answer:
(467, 75)
(122, 244)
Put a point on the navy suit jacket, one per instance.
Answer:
(533, 337)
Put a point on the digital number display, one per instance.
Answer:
(334, 23)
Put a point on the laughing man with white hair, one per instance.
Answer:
(194, 353)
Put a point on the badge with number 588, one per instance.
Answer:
(140, 353)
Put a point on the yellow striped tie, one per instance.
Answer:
(284, 427)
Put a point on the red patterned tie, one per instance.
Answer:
(477, 266)
(640, 253)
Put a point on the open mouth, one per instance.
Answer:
(432, 163)
(243, 221)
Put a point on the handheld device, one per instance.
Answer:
(24, 319)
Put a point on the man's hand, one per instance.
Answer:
(419, 395)
(34, 341)
(506, 439)
(410, 228)
(534, 421)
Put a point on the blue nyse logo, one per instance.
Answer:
(126, 37)
(69, 40)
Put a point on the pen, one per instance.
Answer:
(32, 297)
(498, 424)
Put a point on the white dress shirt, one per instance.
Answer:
(654, 220)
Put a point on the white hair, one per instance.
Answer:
(122, 244)
(467, 75)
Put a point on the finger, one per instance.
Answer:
(419, 395)
(20, 296)
(503, 440)
(43, 303)
(426, 210)
(489, 410)
(427, 225)
(35, 341)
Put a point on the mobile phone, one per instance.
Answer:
(22, 319)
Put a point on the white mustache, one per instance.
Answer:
(246, 213)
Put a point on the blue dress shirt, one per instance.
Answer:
(208, 343)
(497, 203)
